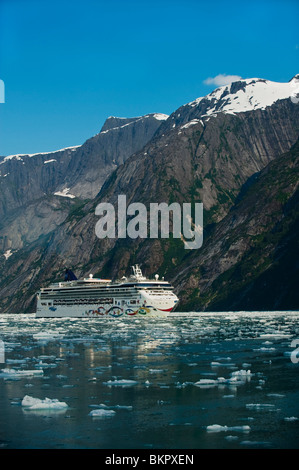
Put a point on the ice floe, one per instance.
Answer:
(206, 383)
(238, 377)
(218, 428)
(102, 406)
(47, 336)
(260, 406)
(121, 383)
(31, 403)
(291, 418)
(102, 413)
(13, 373)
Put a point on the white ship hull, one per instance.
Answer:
(101, 311)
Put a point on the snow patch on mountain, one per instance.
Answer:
(157, 116)
(20, 155)
(160, 116)
(247, 95)
(64, 193)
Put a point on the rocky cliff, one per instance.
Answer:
(38, 191)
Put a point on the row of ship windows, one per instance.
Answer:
(90, 301)
(101, 291)
(119, 296)
(83, 302)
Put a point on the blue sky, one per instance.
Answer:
(68, 65)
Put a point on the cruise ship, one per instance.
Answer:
(100, 298)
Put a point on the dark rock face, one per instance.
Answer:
(98, 157)
(250, 259)
(29, 182)
(83, 169)
(238, 164)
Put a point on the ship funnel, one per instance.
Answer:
(137, 272)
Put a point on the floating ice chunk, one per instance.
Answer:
(123, 407)
(102, 413)
(11, 344)
(47, 336)
(221, 380)
(44, 356)
(121, 382)
(276, 335)
(264, 349)
(223, 359)
(291, 418)
(12, 373)
(219, 428)
(31, 403)
(231, 438)
(275, 395)
(206, 383)
(259, 406)
(102, 406)
(244, 428)
(45, 365)
(216, 428)
(241, 373)
(255, 443)
(17, 361)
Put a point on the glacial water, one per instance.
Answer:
(188, 381)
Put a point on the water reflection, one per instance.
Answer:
(151, 383)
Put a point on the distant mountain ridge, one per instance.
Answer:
(239, 97)
(36, 190)
(212, 150)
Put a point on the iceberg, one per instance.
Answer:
(102, 406)
(47, 336)
(102, 413)
(13, 373)
(31, 403)
(206, 383)
(121, 382)
(219, 428)
(259, 406)
(238, 377)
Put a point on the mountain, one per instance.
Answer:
(37, 191)
(250, 259)
(238, 97)
(81, 169)
(236, 151)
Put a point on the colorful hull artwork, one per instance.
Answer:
(118, 311)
